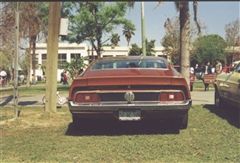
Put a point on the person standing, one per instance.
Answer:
(208, 68)
(3, 76)
(198, 71)
(65, 78)
(62, 77)
(218, 67)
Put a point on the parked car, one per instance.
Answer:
(227, 88)
(131, 89)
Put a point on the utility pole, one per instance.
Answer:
(16, 63)
(52, 56)
(143, 29)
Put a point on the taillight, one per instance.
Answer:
(171, 96)
(86, 98)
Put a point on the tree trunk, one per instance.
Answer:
(33, 57)
(29, 79)
(99, 46)
(28, 69)
(184, 40)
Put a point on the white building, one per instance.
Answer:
(68, 51)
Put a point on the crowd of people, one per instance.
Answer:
(208, 68)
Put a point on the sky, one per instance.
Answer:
(213, 14)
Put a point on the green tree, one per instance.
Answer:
(115, 39)
(136, 50)
(7, 35)
(75, 66)
(232, 32)
(93, 20)
(30, 26)
(128, 32)
(209, 48)
(171, 39)
(184, 21)
(150, 45)
(232, 37)
(31, 23)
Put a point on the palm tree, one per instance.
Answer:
(128, 31)
(115, 39)
(150, 45)
(183, 8)
(31, 23)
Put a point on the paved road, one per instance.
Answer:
(202, 97)
(198, 97)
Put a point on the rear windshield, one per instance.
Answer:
(120, 64)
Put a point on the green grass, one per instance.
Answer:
(33, 90)
(198, 85)
(210, 137)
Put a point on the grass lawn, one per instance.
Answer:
(33, 90)
(210, 137)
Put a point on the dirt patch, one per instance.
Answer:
(32, 117)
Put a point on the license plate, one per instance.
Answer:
(129, 115)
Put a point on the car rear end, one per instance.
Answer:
(130, 98)
(131, 89)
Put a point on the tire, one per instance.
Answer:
(77, 120)
(218, 100)
(184, 122)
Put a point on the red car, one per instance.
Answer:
(130, 89)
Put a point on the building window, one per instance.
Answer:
(62, 60)
(75, 55)
(35, 61)
(44, 60)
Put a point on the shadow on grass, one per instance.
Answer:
(6, 100)
(116, 128)
(25, 103)
(231, 114)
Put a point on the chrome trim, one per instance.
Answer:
(123, 91)
(124, 104)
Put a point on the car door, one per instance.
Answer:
(232, 85)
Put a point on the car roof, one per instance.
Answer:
(131, 58)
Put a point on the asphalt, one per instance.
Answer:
(199, 97)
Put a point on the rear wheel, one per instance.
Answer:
(218, 100)
(75, 120)
(184, 122)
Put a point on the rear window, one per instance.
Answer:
(120, 64)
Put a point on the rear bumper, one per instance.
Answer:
(148, 110)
